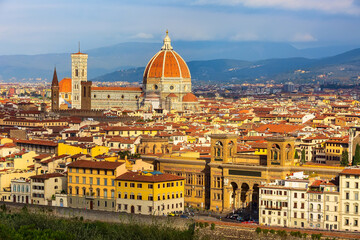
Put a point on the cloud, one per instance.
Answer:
(327, 6)
(303, 37)
(143, 36)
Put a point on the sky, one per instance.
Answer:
(54, 26)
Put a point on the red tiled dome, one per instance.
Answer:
(65, 85)
(166, 63)
(189, 97)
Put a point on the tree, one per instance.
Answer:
(356, 160)
(344, 158)
(302, 156)
(296, 155)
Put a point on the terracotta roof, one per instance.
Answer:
(42, 156)
(166, 63)
(38, 142)
(139, 177)
(189, 97)
(350, 171)
(65, 85)
(172, 95)
(47, 176)
(94, 165)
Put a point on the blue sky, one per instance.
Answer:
(37, 26)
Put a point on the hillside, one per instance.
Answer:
(342, 66)
(132, 55)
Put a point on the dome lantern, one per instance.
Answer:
(167, 42)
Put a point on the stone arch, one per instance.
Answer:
(231, 146)
(255, 195)
(218, 149)
(244, 190)
(275, 152)
(233, 195)
(288, 151)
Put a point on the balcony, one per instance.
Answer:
(90, 195)
(268, 207)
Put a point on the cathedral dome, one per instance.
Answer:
(65, 85)
(189, 97)
(166, 64)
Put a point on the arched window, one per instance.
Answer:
(18, 188)
(76, 72)
(105, 193)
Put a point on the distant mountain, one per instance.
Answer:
(132, 55)
(342, 66)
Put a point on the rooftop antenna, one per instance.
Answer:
(79, 46)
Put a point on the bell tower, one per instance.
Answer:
(55, 92)
(78, 75)
(223, 147)
(280, 151)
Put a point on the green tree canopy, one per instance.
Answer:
(356, 160)
(344, 158)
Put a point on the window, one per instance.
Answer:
(347, 196)
(150, 186)
(132, 185)
(295, 195)
(70, 179)
(90, 180)
(150, 198)
(112, 182)
(347, 184)
(84, 180)
(77, 179)
(98, 181)
(119, 184)
(105, 181)
(125, 206)
(105, 193)
(119, 206)
(139, 185)
(139, 197)
(139, 208)
(347, 208)
(132, 196)
(119, 194)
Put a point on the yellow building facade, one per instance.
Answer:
(149, 193)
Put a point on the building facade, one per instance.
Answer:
(149, 193)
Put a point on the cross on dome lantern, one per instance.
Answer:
(167, 42)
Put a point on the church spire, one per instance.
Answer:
(55, 81)
(167, 42)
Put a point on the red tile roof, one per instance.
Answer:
(47, 176)
(139, 177)
(94, 165)
(350, 171)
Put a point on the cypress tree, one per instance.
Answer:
(344, 158)
(356, 160)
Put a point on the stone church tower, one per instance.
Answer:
(78, 75)
(55, 92)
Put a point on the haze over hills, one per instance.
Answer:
(129, 56)
(344, 67)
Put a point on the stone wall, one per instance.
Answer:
(103, 216)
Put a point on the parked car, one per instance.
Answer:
(234, 216)
(171, 214)
(184, 216)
